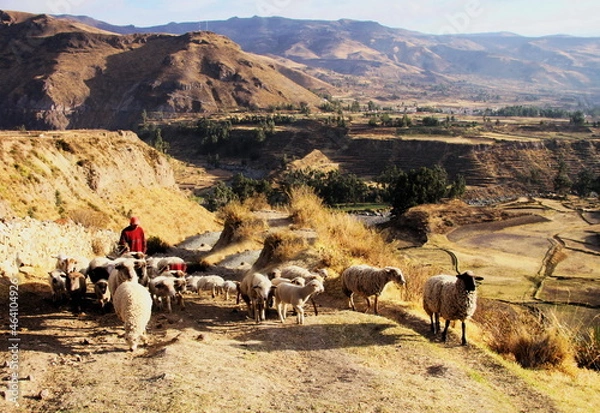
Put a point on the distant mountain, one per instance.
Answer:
(58, 73)
(559, 67)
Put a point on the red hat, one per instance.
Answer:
(134, 221)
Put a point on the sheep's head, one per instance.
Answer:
(101, 287)
(57, 277)
(395, 274)
(165, 288)
(127, 269)
(469, 280)
(180, 284)
(316, 286)
(275, 274)
(75, 281)
(322, 272)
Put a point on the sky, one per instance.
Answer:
(524, 17)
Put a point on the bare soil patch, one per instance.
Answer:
(211, 358)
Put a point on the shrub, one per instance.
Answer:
(532, 339)
(89, 218)
(240, 224)
(540, 349)
(155, 245)
(586, 345)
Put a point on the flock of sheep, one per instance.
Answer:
(135, 284)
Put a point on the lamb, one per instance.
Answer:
(123, 270)
(230, 287)
(133, 305)
(212, 283)
(58, 281)
(295, 272)
(296, 295)
(69, 263)
(102, 293)
(165, 287)
(76, 288)
(254, 290)
(368, 281)
(452, 298)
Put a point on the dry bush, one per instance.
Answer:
(98, 247)
(586, 345)
(240, 224)
(344, 240)
(257, 202)
(156, 245)
(541, 349)
(347, 240)
(304, 203)
(89, 218)
(280, 247)
(530, 338)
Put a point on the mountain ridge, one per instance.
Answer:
(561, 65)
(57, 74)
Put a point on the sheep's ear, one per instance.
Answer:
(479, 278)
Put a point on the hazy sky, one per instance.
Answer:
(525, 17)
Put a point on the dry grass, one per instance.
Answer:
(89, 218)
(344, 241)
(240, 224)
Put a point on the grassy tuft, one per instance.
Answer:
(343, 240)
(89, 218)
(586, 344)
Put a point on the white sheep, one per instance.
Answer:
(165, 288)
(294, 272)
(133, 306)
(58, 282)
(254, 290)
(452, 298)
(102, 293)
(212, 283)
(368, 281)
(192, 282)
(296, 296)
(230, 287)
(122, 270)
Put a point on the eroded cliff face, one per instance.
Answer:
(95, 177)
(57, 74)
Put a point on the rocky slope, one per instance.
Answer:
(58, 74)
(96, 178)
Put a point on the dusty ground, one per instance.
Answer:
(210, 358)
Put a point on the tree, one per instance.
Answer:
(159, 143)
(420, 186)
(578, 118)
(562, 182)
(585, 183)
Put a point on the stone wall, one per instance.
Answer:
(35, 242)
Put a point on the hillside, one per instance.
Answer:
(97, 178)
(512, 159)
(389, 62)
(57, 74)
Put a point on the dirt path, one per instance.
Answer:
(210, 358)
